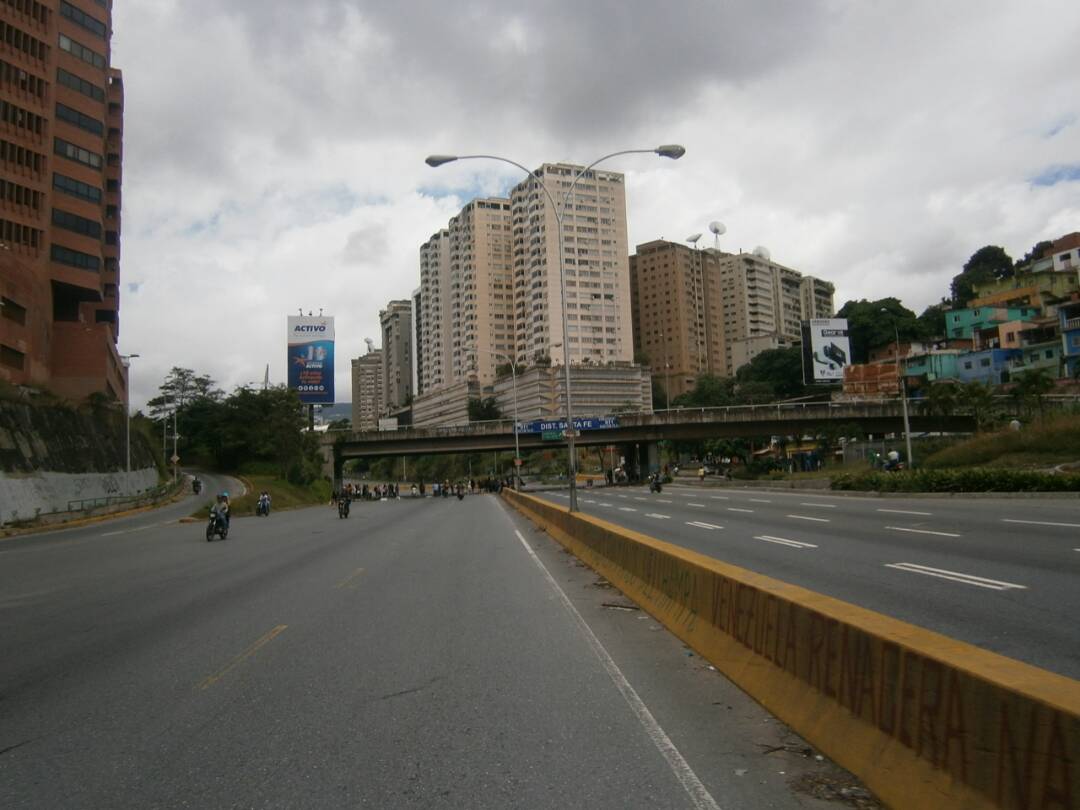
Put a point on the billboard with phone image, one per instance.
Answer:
(826, 349)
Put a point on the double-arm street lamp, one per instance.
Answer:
(513, 377)
(126, 359)
(673, 151)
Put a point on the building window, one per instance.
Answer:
(74, 258)
(76, 153)
(985, 362)
(83, 19)
(76, 118)
(82, 52)
(12, 311)
(76, 188)
(75, 223)
(79, 85)
(12, 358)
(967, 364)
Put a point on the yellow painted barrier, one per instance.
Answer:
(924, 720)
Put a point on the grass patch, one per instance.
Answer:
(1038, 445)
(283, 495)
(971, 479)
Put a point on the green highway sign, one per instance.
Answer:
(551, 435)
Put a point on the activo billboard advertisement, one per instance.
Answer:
(311, 358)
(825, 349)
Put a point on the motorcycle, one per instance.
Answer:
(262, 508)
(343, 508)
(196, 486)
(655, 485)
(217, 525)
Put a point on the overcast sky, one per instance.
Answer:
(273, 149)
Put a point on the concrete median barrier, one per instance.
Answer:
(924, 720)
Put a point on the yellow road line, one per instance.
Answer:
(348, 580)
(206, 684)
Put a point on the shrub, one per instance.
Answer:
(974, 479)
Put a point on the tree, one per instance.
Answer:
(870, 328)
(931, 323)
(941, 399)
(484, 410)
(978, 398)
(1032, 386)
(780, 368)
(1033, 255)
(709, 391)
(987, 264)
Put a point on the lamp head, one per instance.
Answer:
(438, 160)
(671, 150)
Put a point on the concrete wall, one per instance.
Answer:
(924, 720)
(25, 496)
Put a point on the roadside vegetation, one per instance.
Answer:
(973, 479)
(1043, 444)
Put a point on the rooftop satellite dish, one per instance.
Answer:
(370, 345)
(717, 229)
(762, 253)
(693, 238)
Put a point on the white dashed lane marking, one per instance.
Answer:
(922, 531)
(783, 541)
(956, 576)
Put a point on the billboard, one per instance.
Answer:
(825, 350)
(311, 358)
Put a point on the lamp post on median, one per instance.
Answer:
(513, 377)
(903, 394)
(126, 359)
(673, 151)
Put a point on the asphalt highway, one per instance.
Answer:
(421, 653)
(1003, 574)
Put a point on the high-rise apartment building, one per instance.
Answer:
(367, 391)
(466, 296)
(397, 338)
(61, 135)
(710, 312)
(418, 339)
(676, 302)
(594, 259)
(764, 304)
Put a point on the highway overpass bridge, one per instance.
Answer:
(641, 429)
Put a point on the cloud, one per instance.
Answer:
(273, 150)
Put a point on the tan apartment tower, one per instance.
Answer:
(61, 136)
(466, 296)
(676, 302)
(594, 259)
(397, 339)
(764, 304)
(367, 393)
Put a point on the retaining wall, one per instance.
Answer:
(924, 720)
(28, 496)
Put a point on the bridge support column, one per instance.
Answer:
(652, 457)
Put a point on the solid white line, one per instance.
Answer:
(737, 509)
(700, 505)
(783, 541)
(1042, 523)
(759, 500)
(820, 505)
(659, 517)
(903, 512)
(697, 792)
(702, 525)
(922, 531)
(955, 576)
(807, 517)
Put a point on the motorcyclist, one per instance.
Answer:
(220, 509)
(264, 502)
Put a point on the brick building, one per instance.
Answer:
(61, 134)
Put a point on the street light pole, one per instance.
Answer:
(127, 358)
(513, 378)
(903, 397)
(673, 151)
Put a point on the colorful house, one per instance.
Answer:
(1069, 316)
(987, 366)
